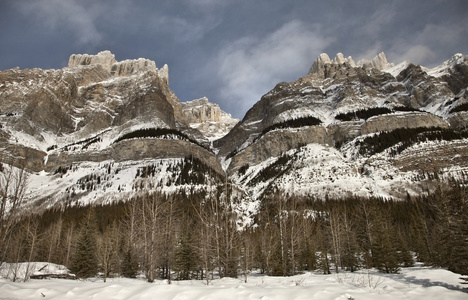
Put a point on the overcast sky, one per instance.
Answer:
(230, 51)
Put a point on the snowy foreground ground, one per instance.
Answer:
(412, 283)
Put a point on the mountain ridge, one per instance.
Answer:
(65, 125)
(412, 99)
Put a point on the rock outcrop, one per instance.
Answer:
(402, 120)
(104, 58)
(323, 61)
(379, 62)
(275, 143)
(129, 67)
(208, 118)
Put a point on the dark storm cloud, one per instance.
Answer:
(230, 51)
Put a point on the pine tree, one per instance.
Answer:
(307, 256)
(129, 265)
(405, 256)
(85, 263)
(460, 249)
(455, 230)
(277, 264)
(385, 255)
(323, 247)
(185, 261)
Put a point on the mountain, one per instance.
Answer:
(101, 130)
(208, 118)
(85, 132)
(319, 135)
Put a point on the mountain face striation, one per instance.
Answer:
(101, 130)
(368, 128)
(84, 132)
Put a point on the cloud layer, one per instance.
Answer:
(231, 51)
(251, 66)
(77, 17)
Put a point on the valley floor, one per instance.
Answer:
(412, 283)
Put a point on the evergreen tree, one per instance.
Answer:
(460, 248)
(349, 257)
(453, 207)
(421, 231)
(385, 254)
(307, 256)
(85, 263)
(129, 267)
(405, 256)
(277, 264)
(323, 247)
(185, 260)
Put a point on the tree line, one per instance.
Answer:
(198, 235)
(158, 133)
(370, 112)
(293, 123)
(461, 107)
(403, 138)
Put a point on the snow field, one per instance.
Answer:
(120, 180)
(319, 170)
(413, 283)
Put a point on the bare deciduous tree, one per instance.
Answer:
(108, 246)
(13, 183)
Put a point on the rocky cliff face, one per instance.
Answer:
(87, 132)
(354, 103)
(340, 86)
(96, 111)
(208, 118)
(104, 58)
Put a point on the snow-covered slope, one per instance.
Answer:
(321, 171)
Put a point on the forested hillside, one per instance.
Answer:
(199, 236)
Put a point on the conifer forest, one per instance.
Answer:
(196, 235)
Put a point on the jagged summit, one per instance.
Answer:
(448, 65)
(378, 62)
(208, 117)
(324, 59)
(118, 68)
(104, 58)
